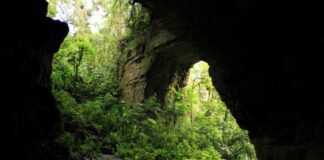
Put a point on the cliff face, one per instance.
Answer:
(264, 59)
(156, 65)
(30, 115)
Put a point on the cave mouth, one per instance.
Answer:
(194, 122)
(202, 104)
(267, 78)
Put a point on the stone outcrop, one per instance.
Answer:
(163, 53)
(265, 61)
(31, 119)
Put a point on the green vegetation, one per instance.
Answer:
(195, 124)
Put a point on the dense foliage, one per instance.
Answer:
(195, 124)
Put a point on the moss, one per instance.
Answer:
(146, 64)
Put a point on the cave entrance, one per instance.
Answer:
(193, 123)
(199, 105)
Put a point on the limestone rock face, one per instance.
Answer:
(163, 54)
(265, 61)
(28, 41)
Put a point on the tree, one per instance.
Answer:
(96, 120)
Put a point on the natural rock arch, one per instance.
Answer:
(258, 62)
(264, 57)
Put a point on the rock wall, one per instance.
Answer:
(265, 61)
(31, 119)
(162, 53)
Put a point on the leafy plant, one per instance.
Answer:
(193, 124)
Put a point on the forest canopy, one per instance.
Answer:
(194, 124)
